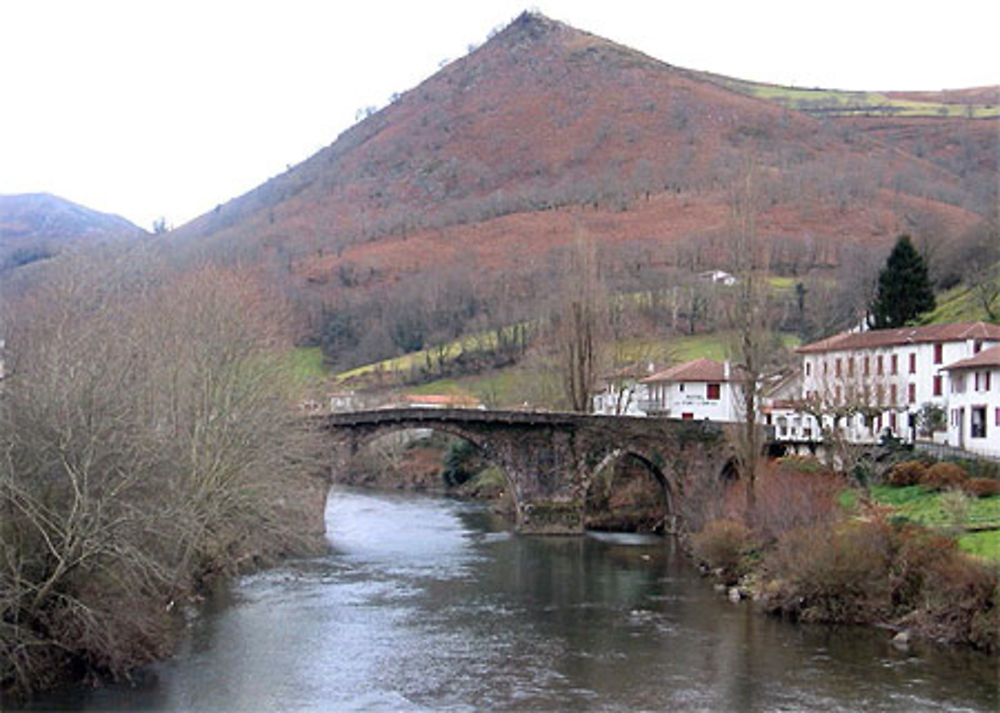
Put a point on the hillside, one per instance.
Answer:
(467, 187)
(958, 130)
(37, 225)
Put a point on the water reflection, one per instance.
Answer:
(428, 604)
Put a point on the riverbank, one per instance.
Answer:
(860, 565)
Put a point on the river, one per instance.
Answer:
(433, 604)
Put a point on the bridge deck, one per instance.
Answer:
(532, 418)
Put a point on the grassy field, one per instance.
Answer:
(915, 504)
(833, 102)
(958, 304)
(307, 363)
(919, 506)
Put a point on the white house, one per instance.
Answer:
(877, 381)
(718, 277)
(700, 389)
(622, 392)
(974, 403)
(780, 407)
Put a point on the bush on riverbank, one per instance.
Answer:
(149, 445)
(723, 546)
(872, 571)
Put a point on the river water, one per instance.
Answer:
(432, 604)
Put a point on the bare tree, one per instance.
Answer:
(748, 258)
(148, 444)
(580, 325)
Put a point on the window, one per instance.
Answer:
(938, 385)
(836, 395)
(808, 368)
(977, 425)
(913, 363)
(892, 420)
(826, 368)
(837, 370)
(867, 366)
(986, 374)
(997, 417)
(850, 366)
(712, 392)
(894, 367)
(938, 353)
(977, 346)
(912, 393)
(880, 365)
(892, 395)
(976, 381)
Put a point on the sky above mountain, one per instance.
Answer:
(169, 108)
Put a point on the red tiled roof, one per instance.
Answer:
(953, 332)
(987, 357)
(697, 370)
(441, 399)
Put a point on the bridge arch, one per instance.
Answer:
(619, 498)
(363, 439)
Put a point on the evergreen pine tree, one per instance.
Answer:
(904, 289)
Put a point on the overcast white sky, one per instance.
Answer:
(168, 107)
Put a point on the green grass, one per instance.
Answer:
(959, 304)
(919, 506)
(985, 545)
(923, 508)
(848, 499)
(834, 102)
(307, 363)
(781, 283)
(415, 360)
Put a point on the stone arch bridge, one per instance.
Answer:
(550, 459)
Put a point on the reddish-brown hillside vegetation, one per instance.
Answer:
(545, 133)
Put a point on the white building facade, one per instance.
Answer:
(877, 382)
(700, 390)
(623, 393)
(974, 403)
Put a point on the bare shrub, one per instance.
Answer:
(955, 504)
(723, 545)
(831, 573)
(907, 473)
(788, 498)
(943, 475)
(981, 487)
(871, 571)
